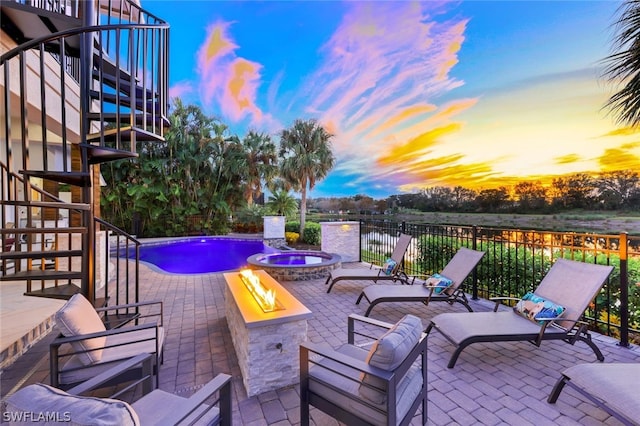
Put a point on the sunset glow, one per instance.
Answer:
(418, 94)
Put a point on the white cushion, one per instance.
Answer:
(388, 352)
(45, 405)
(77, 317)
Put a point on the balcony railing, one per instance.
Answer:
(516, 261)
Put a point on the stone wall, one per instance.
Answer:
(268, 355)
(342, 238)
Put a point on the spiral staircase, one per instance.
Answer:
(82, 82)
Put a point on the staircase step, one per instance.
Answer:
(115, 99)
(40, 254)
(102, 154)
(142, 120)
(63, 292)
(125, 134)
(123, 83)
(47, 204)
(62, 230)
(73, 178)
(35, 22)
(39, 274)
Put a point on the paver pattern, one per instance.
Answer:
(492, 384)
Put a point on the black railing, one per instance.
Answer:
(517, 260)
(122, 284)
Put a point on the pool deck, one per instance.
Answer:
(492, 384)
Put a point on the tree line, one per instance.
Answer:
(614, 190)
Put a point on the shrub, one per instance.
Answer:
(293, 226)
(312, 234)
(291, 237)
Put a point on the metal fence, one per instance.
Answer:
(517, 260)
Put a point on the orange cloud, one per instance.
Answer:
(567, 159)
(621, 158)
(404, 115)
(416, 147)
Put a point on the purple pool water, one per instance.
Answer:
(201, 255)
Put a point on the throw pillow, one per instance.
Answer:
(389, 266)
(439, 282)
(78, 317)
(535, 308)
(43, 404)
(388, 352)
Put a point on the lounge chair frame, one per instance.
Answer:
(375, 273)
(464, 329)
(458, 269)
(596, 391)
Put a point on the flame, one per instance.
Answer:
(265, 297)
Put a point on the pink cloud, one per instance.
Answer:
(229, 83)
(386, 67)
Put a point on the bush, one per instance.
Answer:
(312, 234)
(291, 237)
(293, 226)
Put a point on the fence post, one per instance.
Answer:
(624, 290)
(361, 225)
(474, 246)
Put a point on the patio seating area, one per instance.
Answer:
(492, 383)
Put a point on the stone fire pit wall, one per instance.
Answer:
(266, 344)
(341, 238)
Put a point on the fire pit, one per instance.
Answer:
(296, 265)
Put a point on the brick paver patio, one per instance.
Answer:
(491, 384)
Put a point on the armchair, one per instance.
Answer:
(369, 381)
(85, 348)
(210, 405)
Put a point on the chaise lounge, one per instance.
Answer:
(566, 291)
(612, 387)
(453, 274)
(392, 271)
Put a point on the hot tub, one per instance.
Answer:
(295, 265)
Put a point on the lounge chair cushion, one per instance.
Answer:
(48, 406)
(388, 352)
(535, 308)
(329, 374)
(78, 317)
(389, 266)
(439, 283)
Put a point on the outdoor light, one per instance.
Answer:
(265, 297)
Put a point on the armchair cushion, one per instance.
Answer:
(535, 308)
(39, 400)
(78, 317)
(388, 352)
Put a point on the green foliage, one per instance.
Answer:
(281, 203)
(292, 226)
(306, 158)
(196, 172)
(250, 219)
(312, 234)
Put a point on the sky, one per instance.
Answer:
(479, 94)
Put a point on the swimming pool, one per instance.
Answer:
(201, 255)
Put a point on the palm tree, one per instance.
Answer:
(305, 150)
(281, 203)
(623, 66)
(261, 163)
